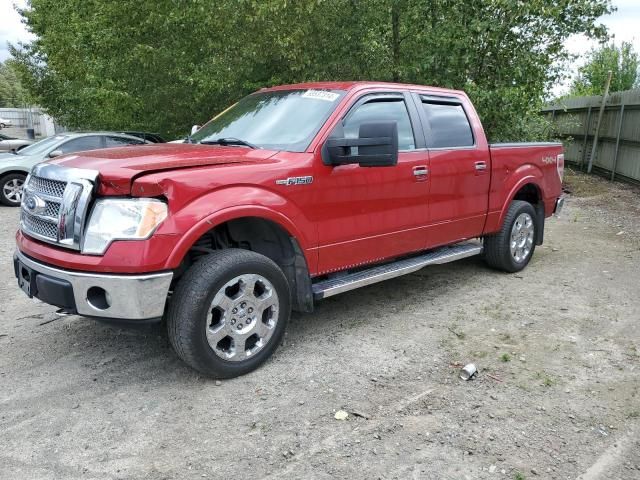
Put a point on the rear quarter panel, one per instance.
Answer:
(513, 167)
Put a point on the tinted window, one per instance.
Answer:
(122, 142)
(82, 143)
(449, 125)
(382, 111)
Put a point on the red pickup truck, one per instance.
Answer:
(293, 194)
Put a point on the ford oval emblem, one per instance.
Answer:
(30, 203)
(35, 204)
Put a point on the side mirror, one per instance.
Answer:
(55, 153)
(377, 145)
(194, 129)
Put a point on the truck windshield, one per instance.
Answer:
(276, 120)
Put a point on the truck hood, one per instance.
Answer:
(118, 167)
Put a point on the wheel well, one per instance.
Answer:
(11, 172)
(267, 238)
(531, 193)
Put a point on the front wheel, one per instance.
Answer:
(512, 247)
(11, 189)
(229, 312)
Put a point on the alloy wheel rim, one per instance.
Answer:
(522, 233)
(242, 317)
(12, 190)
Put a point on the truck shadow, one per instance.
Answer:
(100, 350)
(392, 296)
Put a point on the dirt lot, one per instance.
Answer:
(558, 395)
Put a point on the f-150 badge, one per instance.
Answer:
(295, 181)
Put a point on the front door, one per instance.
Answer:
(371, 214)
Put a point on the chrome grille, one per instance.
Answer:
(44, 223)
(34, 225)
(55, 188)
(52, 209)
(55, 203)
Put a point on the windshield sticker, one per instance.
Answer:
(321, 95)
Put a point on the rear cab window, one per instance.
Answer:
(447, 124)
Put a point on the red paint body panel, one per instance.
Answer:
(458, 196)
(348, 216)
(120, 257)
(514, 167)
(369, 214)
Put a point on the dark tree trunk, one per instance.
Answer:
(395, 40)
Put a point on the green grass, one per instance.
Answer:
(547, 381)
(505, 357)
(519, 476)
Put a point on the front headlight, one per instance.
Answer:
(121, 219)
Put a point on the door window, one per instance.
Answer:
(122, 142)
(382, 110)
(448, 124)
(91, 142)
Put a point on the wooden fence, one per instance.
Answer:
(618, 145)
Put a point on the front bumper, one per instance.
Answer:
(124, 297)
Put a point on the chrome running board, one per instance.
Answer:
(351, 281)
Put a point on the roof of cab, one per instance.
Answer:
(357, 85)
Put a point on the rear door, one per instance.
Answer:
(459, 171)
(370, 214)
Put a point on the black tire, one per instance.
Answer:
(497, 247)
(188, 313)
(6, 184)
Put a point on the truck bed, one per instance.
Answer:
(515, 164)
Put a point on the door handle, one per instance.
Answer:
(421, 171)
(481, 166)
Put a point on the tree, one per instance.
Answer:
(163, 65)
(11, 91)
(622, 61)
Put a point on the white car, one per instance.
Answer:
(5, 122)
(15, 166)
(8, 143)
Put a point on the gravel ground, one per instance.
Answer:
(558, 348)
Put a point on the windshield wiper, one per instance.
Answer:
(229, 141)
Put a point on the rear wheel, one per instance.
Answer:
(512, 247)
(229, 312)
(11, 189)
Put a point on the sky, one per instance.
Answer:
(11, 28)
(623, 25)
